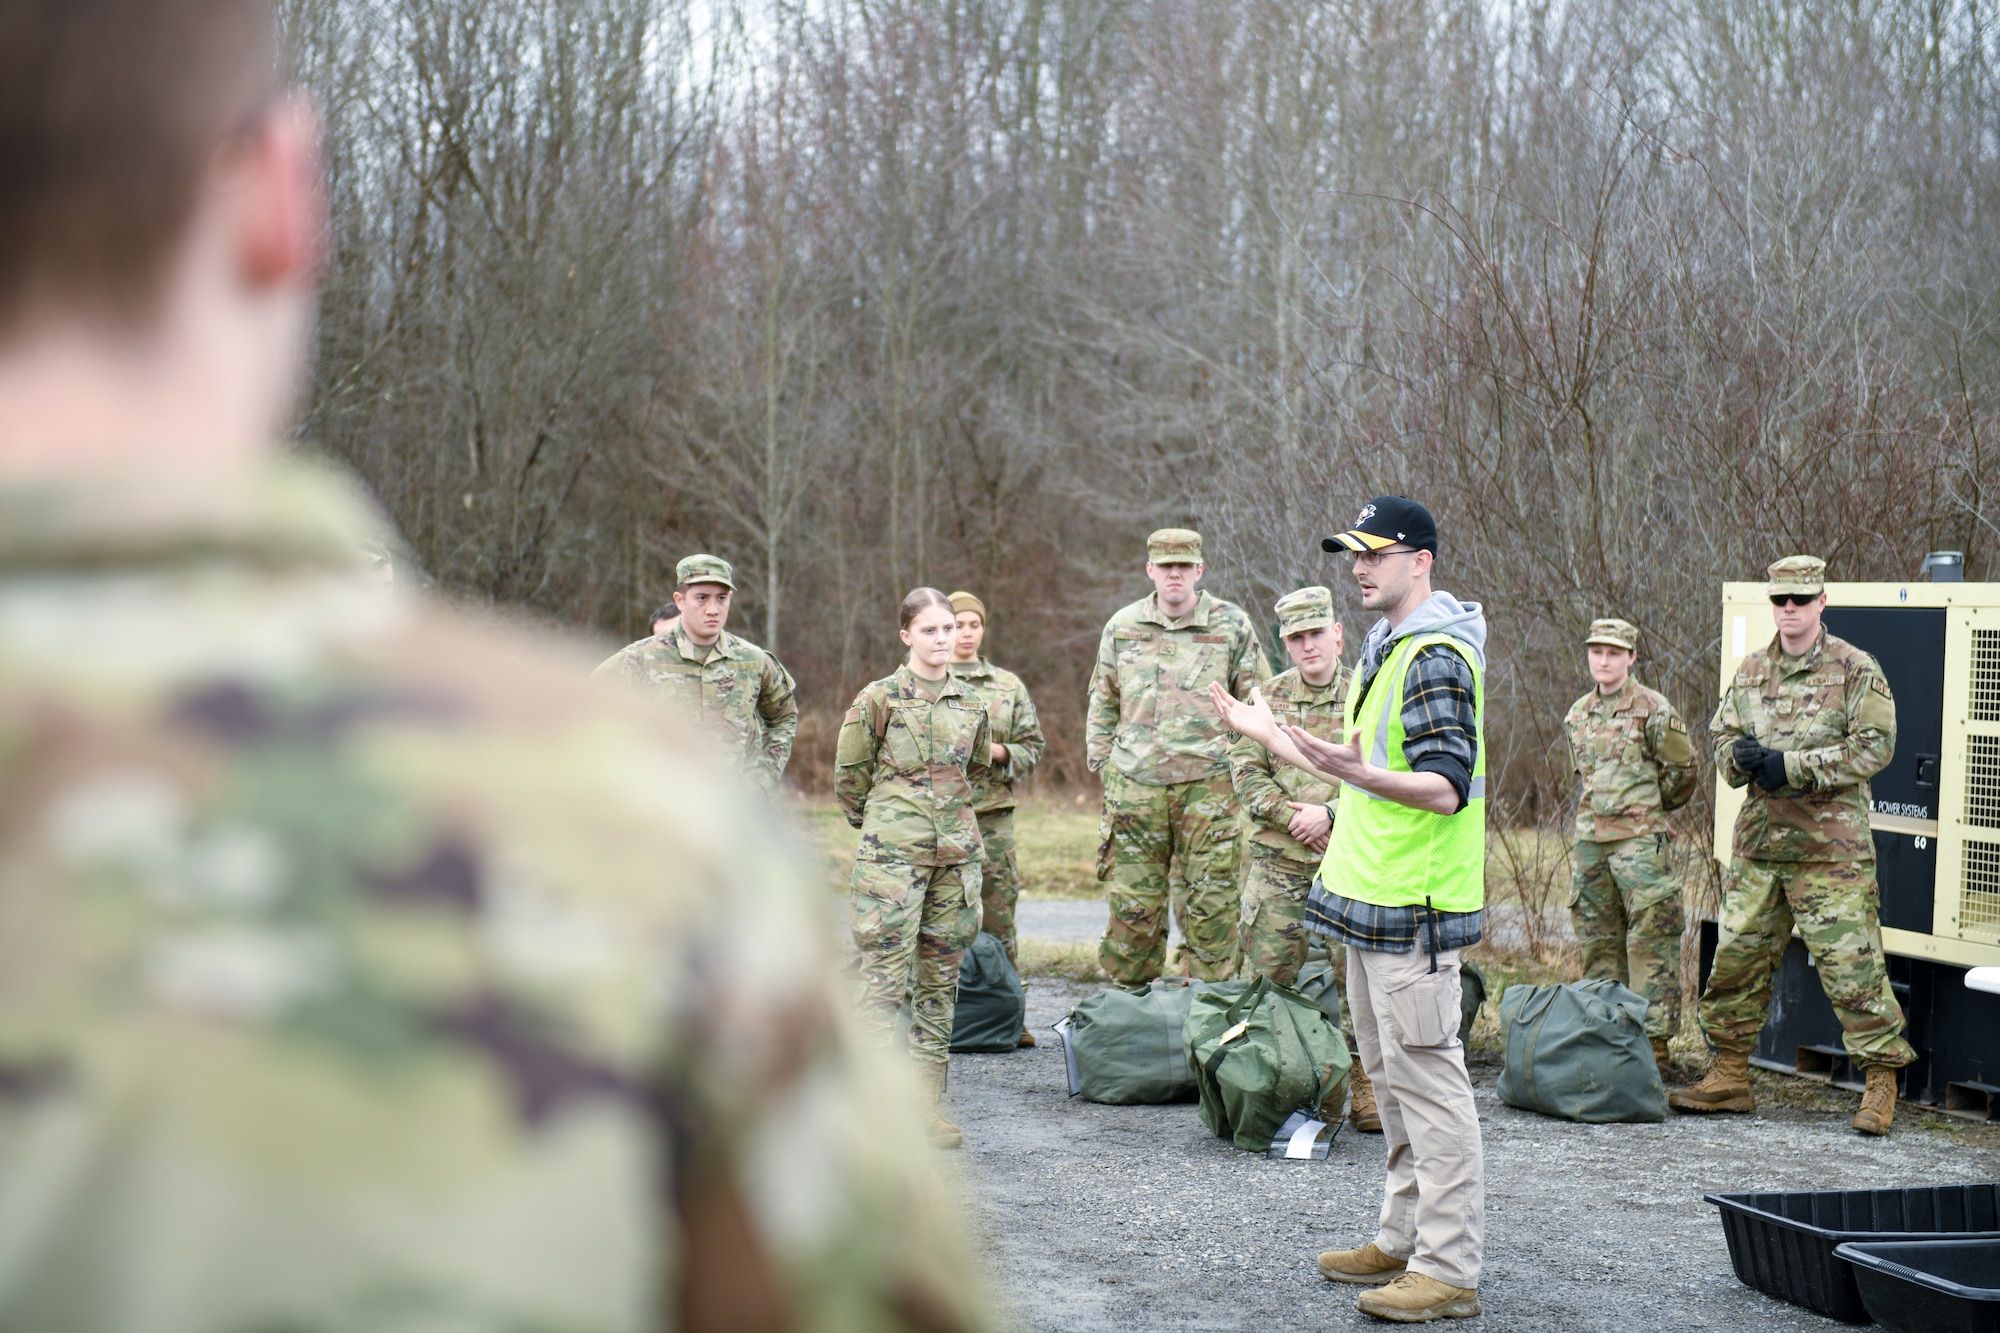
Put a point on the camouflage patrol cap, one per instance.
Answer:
(1174, 546)
(1308, 608)
(705, 569)
(1614, 633)
(1797, 574)
(963, 601)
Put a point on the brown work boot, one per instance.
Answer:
(1416, 1299)
(1727, 1088)
(1661, 1058)
(1878, 1101)
(941, 1132)
(1367, 1265)
(1027, 1038)
(1361, 1112)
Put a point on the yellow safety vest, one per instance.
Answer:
(1390, 854)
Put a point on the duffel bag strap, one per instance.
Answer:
(1239, 1025)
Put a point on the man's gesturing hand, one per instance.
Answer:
(1252, 718)
(1334, 760)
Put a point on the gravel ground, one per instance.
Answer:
(1100, 1218)
(1081, 921)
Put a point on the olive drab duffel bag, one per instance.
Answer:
(1260, 1055)
(992, 1003)
(1124, 1047)
(1579, 1051)
(1319, 982)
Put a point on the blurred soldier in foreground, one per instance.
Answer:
(1017, 747)
(1630, 749)
(733, 688)
(1291, 812)
(1169, 832)
(1805, 723)
(345, 988)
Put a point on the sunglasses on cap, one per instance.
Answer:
(1794, 598)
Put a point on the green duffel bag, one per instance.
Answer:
(1124, 1047)
(1579, 1051)
(1261, 1055)
(1319, 981)
(992, 1003)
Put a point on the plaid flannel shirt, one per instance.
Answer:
(1441, 730)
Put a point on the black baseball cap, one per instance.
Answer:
(1384, 521)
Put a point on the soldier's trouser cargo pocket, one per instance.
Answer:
(912, 925)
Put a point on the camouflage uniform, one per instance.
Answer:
(1274, 936)
(1803, 853)
(740, 692)
(344, 988)
(1011, 715)
(910, 755)
(1170, 826)
(1631, 751)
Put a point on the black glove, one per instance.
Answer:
(1765, 766)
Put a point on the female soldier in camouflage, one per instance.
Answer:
(910, 751)
(1017, 745)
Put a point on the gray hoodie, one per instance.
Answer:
(1440, 613)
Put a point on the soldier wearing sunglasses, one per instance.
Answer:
(1805, 724)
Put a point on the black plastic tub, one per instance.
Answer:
(1782, 1244)
(1928, 1286)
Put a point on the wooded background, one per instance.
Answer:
(1636, 295)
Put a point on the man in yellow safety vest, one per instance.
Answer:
(1403, 886)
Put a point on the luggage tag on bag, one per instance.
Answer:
(1062, 1030)
(1302, 1139)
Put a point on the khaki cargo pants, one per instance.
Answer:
(1406, 1035)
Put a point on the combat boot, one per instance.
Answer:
(1727, 1088)
(1026, 1038)
(1878, 1102)
(1661, 1058)
(1361, 1112)
(1414, 1298)
(941, 1132)
(1365, 1265)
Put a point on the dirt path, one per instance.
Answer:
(1101, 1218)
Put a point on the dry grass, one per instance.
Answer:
(1056, 839)
(1071, 961)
